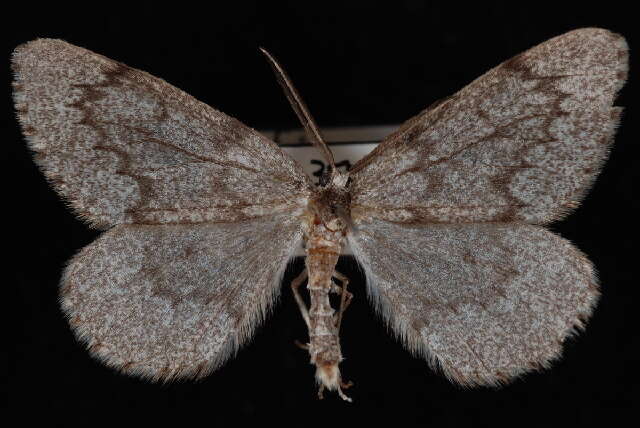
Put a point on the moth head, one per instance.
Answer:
(339, 179)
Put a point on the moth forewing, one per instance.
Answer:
(124, 147)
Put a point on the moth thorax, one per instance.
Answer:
(332, 203)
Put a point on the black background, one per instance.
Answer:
(355, 64)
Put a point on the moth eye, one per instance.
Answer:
(324, 179)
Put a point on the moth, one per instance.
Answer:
(445, 216)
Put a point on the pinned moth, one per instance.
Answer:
(446, 215)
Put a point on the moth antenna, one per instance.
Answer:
(310, 127)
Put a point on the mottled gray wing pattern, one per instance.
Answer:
(483, 302)
(125, 147)
(521, 143)
(172, 301)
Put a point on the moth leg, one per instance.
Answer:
(295, 284)
(346, 297)
(346, 385)
(321, 392)
(301, 345)
(342, 394)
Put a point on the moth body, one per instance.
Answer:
(324, 235)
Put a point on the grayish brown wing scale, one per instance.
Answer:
(482, 302)
(173, 301)
(123, 146)
(521, 143)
